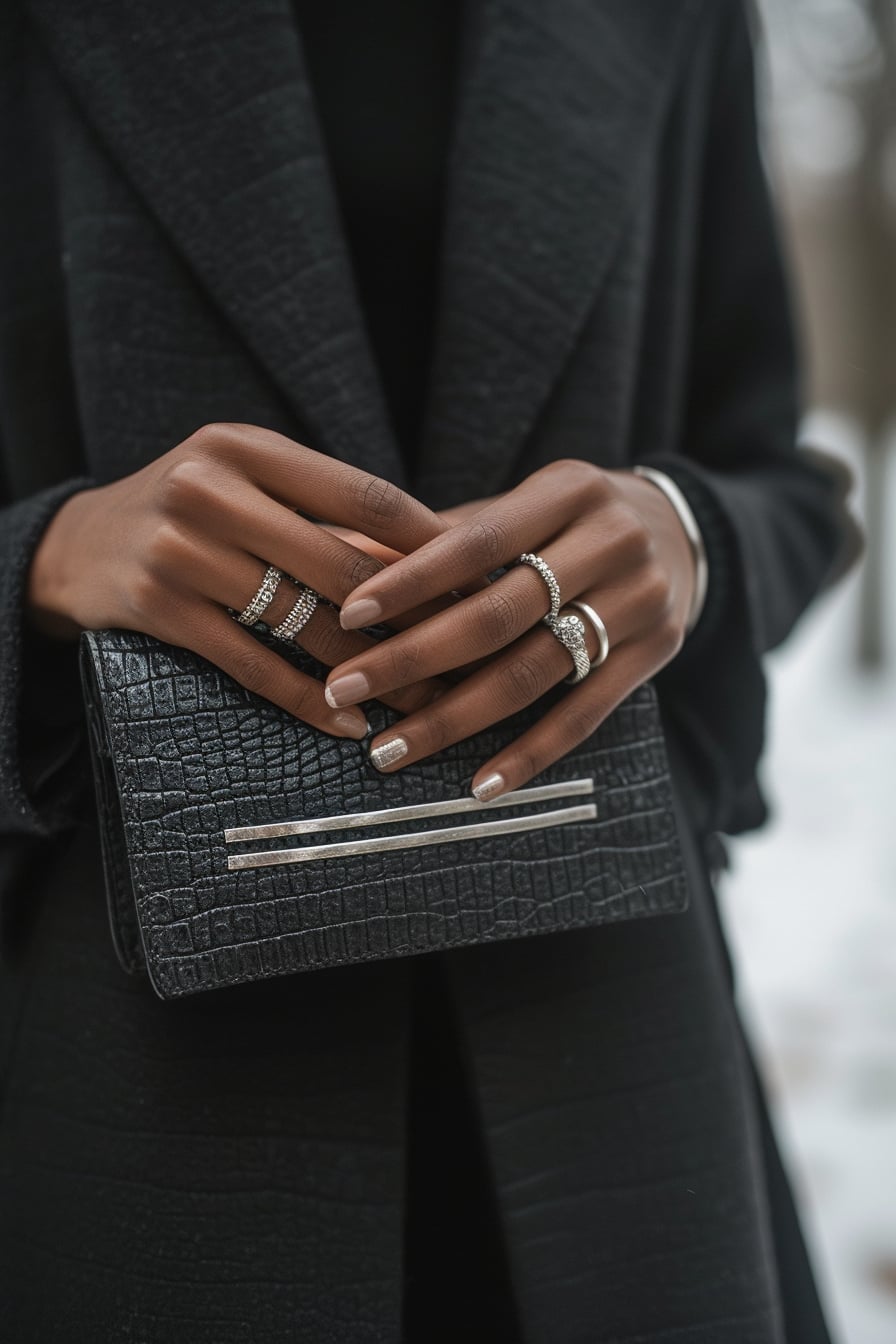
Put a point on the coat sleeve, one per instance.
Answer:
(773, 517)
(41, 770)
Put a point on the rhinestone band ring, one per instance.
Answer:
(542, 568)
(298, 617)
(263, 598)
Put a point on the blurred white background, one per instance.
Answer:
(811, 909)
(811, 901)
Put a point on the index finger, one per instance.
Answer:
(489, 540)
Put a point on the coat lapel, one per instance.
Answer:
(207, 109)
(560, 104)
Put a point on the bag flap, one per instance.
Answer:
(251, 845)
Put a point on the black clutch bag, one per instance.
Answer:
(239, 843)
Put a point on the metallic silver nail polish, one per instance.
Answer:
(389, 752)
(491, 785)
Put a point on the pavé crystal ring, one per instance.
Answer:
(294, 623)
(570, 631)
(263, 598)
(542, 568)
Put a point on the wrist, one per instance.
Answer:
(49, 576)
(678, 502)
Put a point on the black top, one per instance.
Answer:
(383, 77)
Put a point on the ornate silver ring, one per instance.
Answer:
(570, 631)
(542, 568)
(301, 613)
(603, 639)
(263, 598)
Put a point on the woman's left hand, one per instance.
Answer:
(612, 540)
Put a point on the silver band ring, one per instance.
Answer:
(603, 639)
(542, 568)
(263, 598)
(570, 631)
(301, 613)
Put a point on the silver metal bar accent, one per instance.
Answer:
(543, 793)
(540, 821)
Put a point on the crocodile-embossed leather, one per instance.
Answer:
(182, 753)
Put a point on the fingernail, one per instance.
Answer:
(491, 785)
(351, 725)
(355, 615)
(347, 690)
(389, 752)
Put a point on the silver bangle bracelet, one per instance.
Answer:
(692, 531)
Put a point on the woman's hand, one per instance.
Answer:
(612, 540)
(168, 549)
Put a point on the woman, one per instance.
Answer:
(439, 280)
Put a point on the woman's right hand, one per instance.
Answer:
(168, 549)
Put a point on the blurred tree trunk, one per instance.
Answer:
(843, 236)
(875, 205)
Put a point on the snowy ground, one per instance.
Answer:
(811, 909)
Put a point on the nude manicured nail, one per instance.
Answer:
(347, 690)
(351, 725)
(389, 752)
(355, 615)
(491, 785)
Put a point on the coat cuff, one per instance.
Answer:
(719, 543)
(714, 690)
(40, 722)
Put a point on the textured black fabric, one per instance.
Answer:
(568, 268)
(172, 253)
(452, 1226)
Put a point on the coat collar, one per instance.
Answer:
(207, 108)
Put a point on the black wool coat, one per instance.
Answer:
(231, 1168)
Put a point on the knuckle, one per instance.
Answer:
(529, 762)
(486, 543)
(669, 637)
(379, 501)
(411, 698)
(360, 569)
(203, 439)
(497, 617)
(250, 669)
(438, 730)
(584, 478)
(657, 591)
(404, 660)
(216, 438)
(185, 485)
(579, 722)
(524, 679)
(146, 595)
(166, 551)
(635, 545)
(326, 641)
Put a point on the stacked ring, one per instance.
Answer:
(263, 598)
(570, 631)
(603, 639)
(542, 568)
(298, 617)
